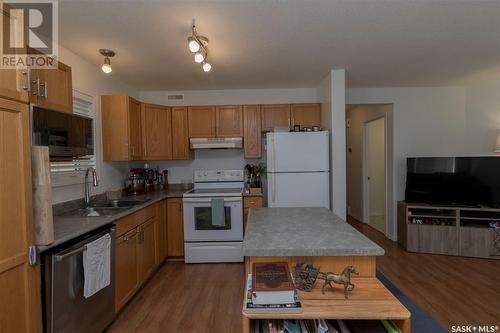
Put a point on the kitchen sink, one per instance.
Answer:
(120, 203)
(94, 212)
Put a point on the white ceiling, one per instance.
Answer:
(287, 43)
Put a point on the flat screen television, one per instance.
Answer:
(460, 181)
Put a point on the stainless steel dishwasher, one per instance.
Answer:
(65, 307)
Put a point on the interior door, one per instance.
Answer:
(135, 129)
(298, 189)
(229, 121)
(156, 132)
(20, 309)
(298, 152)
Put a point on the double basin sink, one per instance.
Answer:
(105, 208)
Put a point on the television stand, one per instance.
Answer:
(451, 230)
(454, 205)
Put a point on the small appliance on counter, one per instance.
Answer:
(135, 183)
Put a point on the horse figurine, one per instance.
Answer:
(344, 278)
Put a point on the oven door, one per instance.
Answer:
(198, 220)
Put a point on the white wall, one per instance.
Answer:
(429, 121)
(89, 79)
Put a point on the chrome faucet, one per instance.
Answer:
(95, 183)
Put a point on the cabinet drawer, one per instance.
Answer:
(133, 220)
(252, 202)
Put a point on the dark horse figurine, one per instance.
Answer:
(344, 278)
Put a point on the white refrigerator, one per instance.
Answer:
(298, 169)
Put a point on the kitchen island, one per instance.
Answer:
(317, 236)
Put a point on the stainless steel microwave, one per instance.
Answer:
(66, 134)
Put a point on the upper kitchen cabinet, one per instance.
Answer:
(275, 115)
(201, 121)
(306, 115)
(156, 132)
(229, 121)
(180, 134)
(14, 84)
(121, 128)
(53, 88)
(252, 131)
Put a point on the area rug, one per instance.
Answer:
(421, 322)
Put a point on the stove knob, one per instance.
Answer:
(205, 173)
(232, 173)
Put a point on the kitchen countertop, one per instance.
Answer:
(303, 232)
(67, 228)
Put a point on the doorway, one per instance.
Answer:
(374, 174)
(369, 149)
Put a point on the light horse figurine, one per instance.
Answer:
(344, 278)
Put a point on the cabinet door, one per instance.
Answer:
(161, 231)
(175, 230)
(19, 282)
(201, 121)
(147, 249)
(55, 89)
(252, 131)
(135, 129)
(306, 115)
(13, 81)
(275, 115)
(115, 129)
(156, 132)
(250, 202)
(229, 121)
(180, 136)
(126, 273)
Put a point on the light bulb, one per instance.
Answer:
(207, 67)
(194, 46)
(106, 67)
(199, 57)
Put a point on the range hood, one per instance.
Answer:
(213, 143)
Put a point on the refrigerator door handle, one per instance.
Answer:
(273, 188)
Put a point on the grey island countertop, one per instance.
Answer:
(67, 228)
(303, 232)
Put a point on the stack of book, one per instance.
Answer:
(270, 288)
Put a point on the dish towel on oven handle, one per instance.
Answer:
(97, 265)
(218, 213)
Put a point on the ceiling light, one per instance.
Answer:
(199, 57)
(106, 66)
(206, 66)
(194, 46)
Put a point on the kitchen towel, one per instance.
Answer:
(218, 214)
(97, 265)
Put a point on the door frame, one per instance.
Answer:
(366, 188)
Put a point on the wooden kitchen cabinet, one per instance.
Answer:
(180, 134)
(251, 202)
(306, 115)
(53, 88)
(229, 121)
(252, 135)
(146, 250)
(161, 231)
(156, 132)
(175, 230)
(121, 128)
(14, 84)
(20, 306)
(201, 120)
(126, 268)
(275, 115)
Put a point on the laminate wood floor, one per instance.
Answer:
(208, 297)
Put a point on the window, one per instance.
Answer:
(71, 171)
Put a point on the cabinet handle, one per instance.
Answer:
(27, 72)
(133, 150)
(289, 123)
(45, 90)
(125, 239)
(145, 151)
(37, 85)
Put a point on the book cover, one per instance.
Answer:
(273, 276)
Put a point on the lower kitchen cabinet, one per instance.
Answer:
(251, 202)
(161, 231)
(146, 248)
(126, 273)
(175, 230)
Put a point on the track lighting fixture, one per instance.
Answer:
(198, 45)
(106, 66)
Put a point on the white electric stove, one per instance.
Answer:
(203, 240)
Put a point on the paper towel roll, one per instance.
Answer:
(42, 196)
